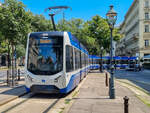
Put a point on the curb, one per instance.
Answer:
(141, 93)
(141, 82)
(128, 83)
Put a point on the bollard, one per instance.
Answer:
(7, 77)
(126, 104)
(18, 74)
(109, 86)
(106, 81)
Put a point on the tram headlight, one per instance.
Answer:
(30, 78)
(56, 79)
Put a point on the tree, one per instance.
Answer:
(81, 30)
(99, 29)
(39, 23)
(15, 24)
(20, 50)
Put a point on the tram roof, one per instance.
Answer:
(75, 42)
(94, 56)
(52, 33)
(133, 58)
(124, 58)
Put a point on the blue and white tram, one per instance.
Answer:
(133, 63)
(55, 62)
(124, 62)
(95, 60)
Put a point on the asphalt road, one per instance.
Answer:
(141, 78)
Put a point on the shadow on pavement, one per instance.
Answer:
(91, 98)
(14, 91)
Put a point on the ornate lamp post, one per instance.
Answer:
(111, 17)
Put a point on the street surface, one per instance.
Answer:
(85, 98)
(141, 78)
(31, 103)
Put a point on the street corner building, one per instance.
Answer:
(136, 30)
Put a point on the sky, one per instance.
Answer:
(83, 9)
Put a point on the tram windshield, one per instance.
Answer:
(45, 55)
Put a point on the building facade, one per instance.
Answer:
(136, 30)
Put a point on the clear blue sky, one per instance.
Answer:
(84, 9)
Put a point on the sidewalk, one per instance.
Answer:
(10, 93)
(93, 98)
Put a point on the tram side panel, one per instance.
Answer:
(74, 70)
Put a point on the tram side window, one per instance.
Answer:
(82, 59)
(69, 58)
(77, 59)
(86, 60)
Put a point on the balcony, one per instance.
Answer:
(135, 36)
(133, 39)
(147, 8)
(147, 20)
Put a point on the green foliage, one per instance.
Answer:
(39, 23)
(67, 101)
(20, 50)
(99, 29)
(94, 33)
(3, 48)
(16, 23)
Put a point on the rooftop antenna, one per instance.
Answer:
(54, 11)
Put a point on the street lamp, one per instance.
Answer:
(101, 62)
(111, 18)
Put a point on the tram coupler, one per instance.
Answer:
(109, 87)
(126, 104)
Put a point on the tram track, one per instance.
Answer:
(13, 104)
(38, 103)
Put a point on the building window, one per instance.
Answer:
(146, 28)
(147, 4)
(146, 43)
(146, 16)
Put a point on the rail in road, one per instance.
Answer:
(31, 103)
(39, 103)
